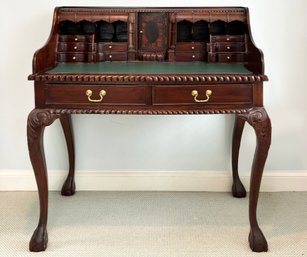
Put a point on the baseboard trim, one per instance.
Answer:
(216, 181)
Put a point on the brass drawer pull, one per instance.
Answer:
(89, 93)
(195, 94)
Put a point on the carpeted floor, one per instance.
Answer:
(153, 224)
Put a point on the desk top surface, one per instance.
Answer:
(149, 68)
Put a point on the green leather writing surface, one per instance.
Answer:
(150, 68)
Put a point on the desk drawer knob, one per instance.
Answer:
(195, 94)
(89, 93)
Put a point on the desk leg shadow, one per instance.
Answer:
(258, 118)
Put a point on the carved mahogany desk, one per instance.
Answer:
(164, 61)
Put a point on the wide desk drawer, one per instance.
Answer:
(208, 94)
(95, 94)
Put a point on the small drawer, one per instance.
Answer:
(197, 95)
(190, 46)
(75, 57)
(112, 56)
(116, 47)
(95, 95)
(225, 57)
(226, 47)
(76, 38)
(190, 56)
(76, 47)
(227, 38)
(231, 57)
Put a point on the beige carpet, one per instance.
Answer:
(153, 224)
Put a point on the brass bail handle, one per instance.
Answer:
(89, 93)
(195, 94)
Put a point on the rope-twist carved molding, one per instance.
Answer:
(38, 119)
(149, 78)
(145, 112)
(210, 10)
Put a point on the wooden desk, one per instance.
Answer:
(165, 61)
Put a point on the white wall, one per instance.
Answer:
(163, 143)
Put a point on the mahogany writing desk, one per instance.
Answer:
(162, 61)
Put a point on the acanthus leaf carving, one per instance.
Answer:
(37, 120)
(258, 118)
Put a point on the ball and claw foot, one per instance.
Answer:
(39, 240)
(238, 189)
(257, 241)
(69, 187)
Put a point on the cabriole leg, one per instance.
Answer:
(238, 189)
(38, 119)
(69, 186)
(260, 121)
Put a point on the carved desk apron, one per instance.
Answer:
(167, 61)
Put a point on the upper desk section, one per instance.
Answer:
(201, 35)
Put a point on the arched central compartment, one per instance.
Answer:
(152, 36)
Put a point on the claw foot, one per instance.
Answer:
(238, 189)
(69, 187)
(257, 241)
(39, 240)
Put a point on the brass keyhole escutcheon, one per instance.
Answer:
(89, 93)
(195, 95)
